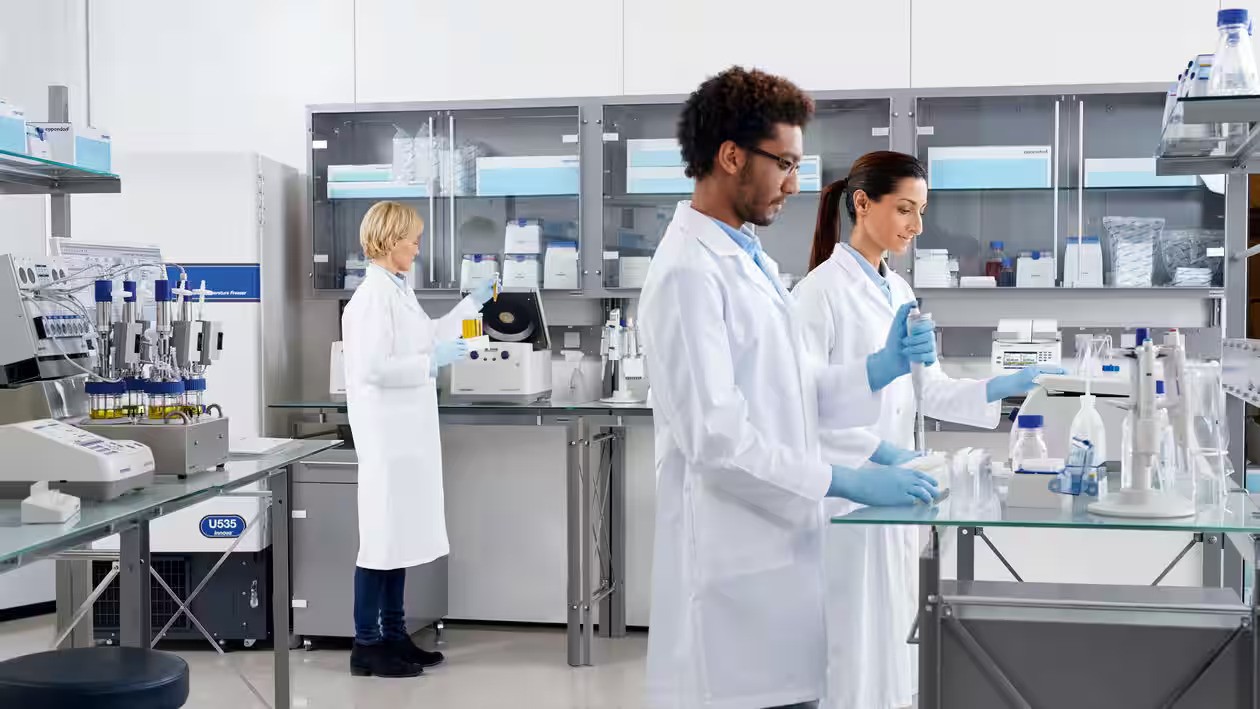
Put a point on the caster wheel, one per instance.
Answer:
(307, 644)
(438, 629)
(248, 643)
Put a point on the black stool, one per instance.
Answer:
(97, 677)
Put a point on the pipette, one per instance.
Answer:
(916, 377)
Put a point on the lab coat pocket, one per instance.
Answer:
(733, 538)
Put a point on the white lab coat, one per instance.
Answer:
(872, 572)
(392, 405)
(737, 608)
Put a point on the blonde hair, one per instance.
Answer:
(386, 224)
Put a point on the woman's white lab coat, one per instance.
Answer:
(392, 405)
(737, 608)
(872, 572)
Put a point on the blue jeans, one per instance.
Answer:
(378, 605)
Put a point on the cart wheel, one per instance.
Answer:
(307, 644)
(438, 628)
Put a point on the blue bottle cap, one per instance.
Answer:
(130, 287)
(1031, 420)
(1159, 386)
(1232, 16)
(999, 245)
(104, 291)
(162, 291)
(1143, 334)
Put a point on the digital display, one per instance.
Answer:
(1018, 360)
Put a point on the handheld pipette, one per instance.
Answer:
(916, 377)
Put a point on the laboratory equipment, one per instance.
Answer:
(12, 128)
(523, 236)
(561, 266)
(1139, 495)
(524, 175)
(993, 264)
(1234, 65)
(1026, 343)
(514, 365)
(1083, 262)
(520, 271)
(71, 460)
(337, 372)
(76, 145)
(622, 358)
(49, 335)
(989, 167)
(48, 506)
(1132, 241)
(1035, 269)
(476, 269)
(932, 268)
(916, 377)
(1032, 484)
(1028, 441)
(1006, 279)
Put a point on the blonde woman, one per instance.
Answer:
(392, 355)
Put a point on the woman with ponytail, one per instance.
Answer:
(847, 303)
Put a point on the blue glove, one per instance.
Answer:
(485, 290)
(901, 349)
(888, 454)
(1016, 384)
(883, 487)
(447, 352)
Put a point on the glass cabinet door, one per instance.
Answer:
(357, 160)
(644, 181)
(994, 167)
(511, 186)
(1152, 231)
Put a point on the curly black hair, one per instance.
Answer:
(737, 105)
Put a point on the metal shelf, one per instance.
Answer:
(1216, 158)
(23, 174)
(1075, 307)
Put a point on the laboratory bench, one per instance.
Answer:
(129, 516)
(1025, 644)
(324, 487)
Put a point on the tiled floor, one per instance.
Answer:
(485, 668)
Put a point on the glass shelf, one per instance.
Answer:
(1238, 514)
(24, 174)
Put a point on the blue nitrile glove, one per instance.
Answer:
(1016, 384)
(447, 352)
(484, 290)
(900, 350)
(888, 454)
(883, 486)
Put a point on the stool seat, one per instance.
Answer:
(97, 677)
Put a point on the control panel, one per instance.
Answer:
(47, 330)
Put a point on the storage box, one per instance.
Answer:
(84, 146)
(989, 167)
(36, 146)
(1131, 172)
(655, 166)
(377, 190)
(526, 175)
(520, 271)
(12, 128)
(360, 173)
(523, 236)
(1035, 270)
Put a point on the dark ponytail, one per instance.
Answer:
(876, 174)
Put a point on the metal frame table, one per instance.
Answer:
(129, 517)
(1016, 644)
(595, 499)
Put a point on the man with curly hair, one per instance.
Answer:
(737, 601)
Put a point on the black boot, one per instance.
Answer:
(406, 649)
(380, 660)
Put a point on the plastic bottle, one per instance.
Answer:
(1006, 277)
(1030, 441)
(1234, 66)
(993, 265)
(1087, 447)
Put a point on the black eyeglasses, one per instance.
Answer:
(787, 165)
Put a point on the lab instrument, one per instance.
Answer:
(916, 376)
(1026, 343)
(72, 460)
(621, 352)
(48, 506)
(514, 365)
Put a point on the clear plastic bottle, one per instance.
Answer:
(1234, 66)
(1087, 446)
(1030, 440)
(993, 265)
